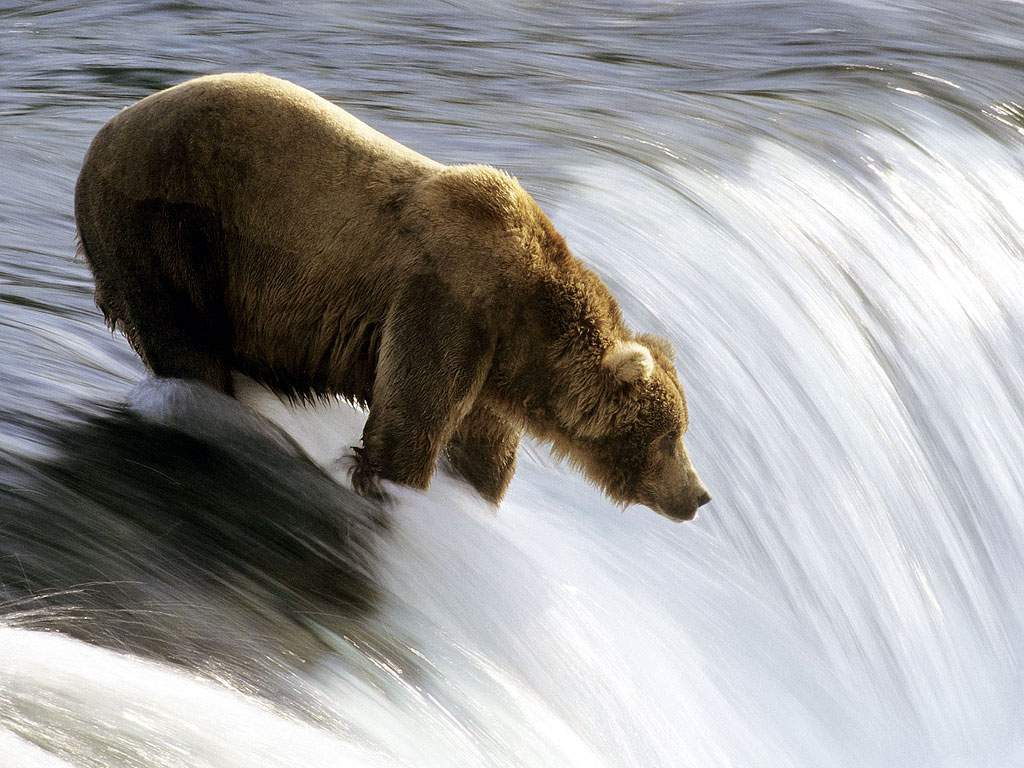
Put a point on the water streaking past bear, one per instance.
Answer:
(241, 222)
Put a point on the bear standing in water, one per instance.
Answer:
(242, 222)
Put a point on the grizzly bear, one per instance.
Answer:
(241, 222)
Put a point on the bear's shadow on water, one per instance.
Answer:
(187, 528)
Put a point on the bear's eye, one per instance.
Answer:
(670, 441)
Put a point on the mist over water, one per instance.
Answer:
(819, 203)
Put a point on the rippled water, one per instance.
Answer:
(818, 202)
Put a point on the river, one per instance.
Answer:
(819, 204)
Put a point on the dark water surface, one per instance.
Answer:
(819, 203)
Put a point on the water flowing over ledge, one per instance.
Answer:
(817, 202)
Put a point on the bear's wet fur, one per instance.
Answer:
(242, 222)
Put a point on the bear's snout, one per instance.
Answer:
(684, 505)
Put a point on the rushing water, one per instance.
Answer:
(820, 203)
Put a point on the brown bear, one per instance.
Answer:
(239, 221)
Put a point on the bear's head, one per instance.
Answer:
(629, 435)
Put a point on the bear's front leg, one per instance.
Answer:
(432, 365)
(398, 445)
(483, 452)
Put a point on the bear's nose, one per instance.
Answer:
(703, 498)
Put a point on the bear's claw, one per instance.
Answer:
(365, 481)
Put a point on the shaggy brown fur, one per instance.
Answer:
(239, 221)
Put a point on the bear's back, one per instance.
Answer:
(248, 145)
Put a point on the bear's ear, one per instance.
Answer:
(629, 361)
(656, 342)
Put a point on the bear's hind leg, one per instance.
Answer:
(483, 452)
(173, 344)
(157, 280)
